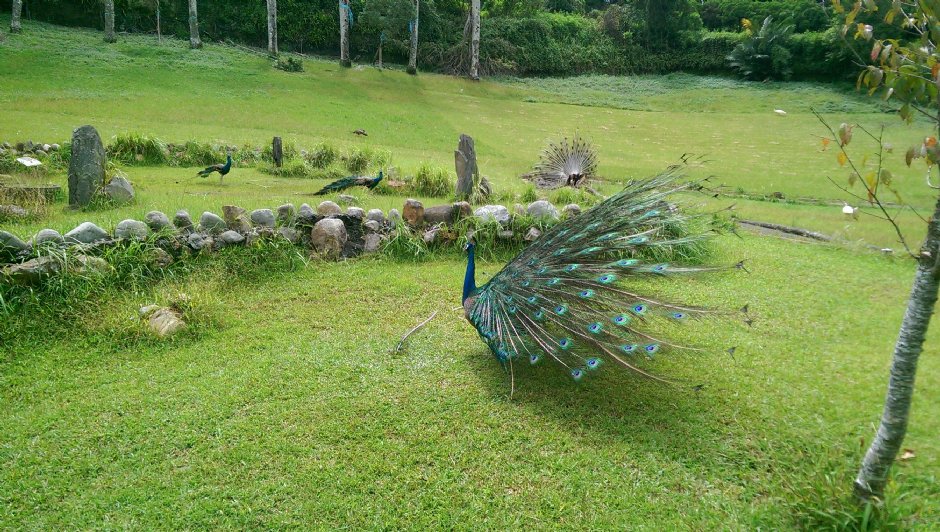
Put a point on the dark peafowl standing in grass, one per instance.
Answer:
(568, 297)
(349, 182)
(222, 169)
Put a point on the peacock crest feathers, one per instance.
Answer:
(571, 297)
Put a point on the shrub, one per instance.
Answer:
(764, 55)
(805, 15)
(529, 194)
(359, 160)
(322, 156)
(289, 64)
(193, 153)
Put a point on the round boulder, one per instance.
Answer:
(47, 237)
(86, 233)
(328, 208)
(212, 223)
(487, 213)
(571, 209)
(263, 218)
(542, 210)
(131, 230)
(413, 212)
(376, 215)
(157, 221)
(329, 236)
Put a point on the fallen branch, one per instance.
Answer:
(401, 344)
(789, 230)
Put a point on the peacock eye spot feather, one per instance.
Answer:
(542, 270)
(553, 282)
(538, 315)
(561, 309)
(526, 283)
(637, 240)
(621, 319)
(512, 309)
(534, 359)
(560, 251)
(659, 268)
(678, 316)
(586, 294)
(565, 343)
(651, 349)
(628, 348)
(640, 308)
(572, 267)
(593, 363)
(577, 373)
(626, 263)
(595, 327)
(607, 279)
(532, 299)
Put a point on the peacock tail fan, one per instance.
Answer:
(573, 297)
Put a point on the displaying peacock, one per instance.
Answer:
(222, 169)
(351, 181)
(568, 297)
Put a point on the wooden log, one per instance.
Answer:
(277, 151)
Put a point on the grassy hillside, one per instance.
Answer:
(283, 407)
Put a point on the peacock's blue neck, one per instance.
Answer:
(469, 280)
(228, 162)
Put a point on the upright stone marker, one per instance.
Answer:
(86, 167)
(465, 160)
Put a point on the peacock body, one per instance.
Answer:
(222, 169)
(567, 297)
(349, 182)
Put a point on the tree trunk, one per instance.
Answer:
(380, 54)
(475, 39)
(194, 41)
(159, 33)
(872, 477)
(413, 51)
(277, 151)
(15, 20)
(109, 21)
(272, 27)
(344, 34)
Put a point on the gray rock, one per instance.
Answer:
(47, 148)
(328, 208)
(372, 226)
(165, 322)
(13, 211)
(292, 235)
(571, 209)
(47, 237)
(439, 214)
(86, 233)
(394, 218)
(183, 222)
(518, 209)
(211, 223)
(505, 235)
(131, 230)
(231, 238)
(356, 212)
(492, 212)
(373, 243)
(157, 221)
(86, 166)
(286, 214)
(199, 241)
(35, 270)
(532, 235)
(236, 218)
(329, 236)
(346, 199)
(54, 147)
(11, 244)
(376, 215)
(119, 190)
(430, 236)
(147, 310)
(263, 218)
(413, 212)
(160, 257)
(542, 210)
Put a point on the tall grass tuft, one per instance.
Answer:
(322, 156)
(138, 149)
(432, 181)
(360, 160)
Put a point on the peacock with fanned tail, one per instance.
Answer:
(567, 297)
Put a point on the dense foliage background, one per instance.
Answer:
(522, 37)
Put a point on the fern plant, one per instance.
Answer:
(763, 55)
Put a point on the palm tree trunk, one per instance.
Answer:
(15, 21)
(872, 476)
(272, 27)
(475, 39)
(109, 21)
(194, 41)
(413, 52)
(344, 34)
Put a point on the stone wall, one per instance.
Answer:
(327, 231)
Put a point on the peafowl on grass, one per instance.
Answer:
(348, 182)
(222, 169)
(568, 298)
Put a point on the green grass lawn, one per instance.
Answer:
(283, 407)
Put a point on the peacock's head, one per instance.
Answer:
(470, 244)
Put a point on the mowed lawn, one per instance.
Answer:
(284, 406)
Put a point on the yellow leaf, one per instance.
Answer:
(842, 159)
(825, 143)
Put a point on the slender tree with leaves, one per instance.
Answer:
(109, 21)
(272, 27)
(345, 17)
(15, 19)
(413, 46)
(194, 40)
(907, 72)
